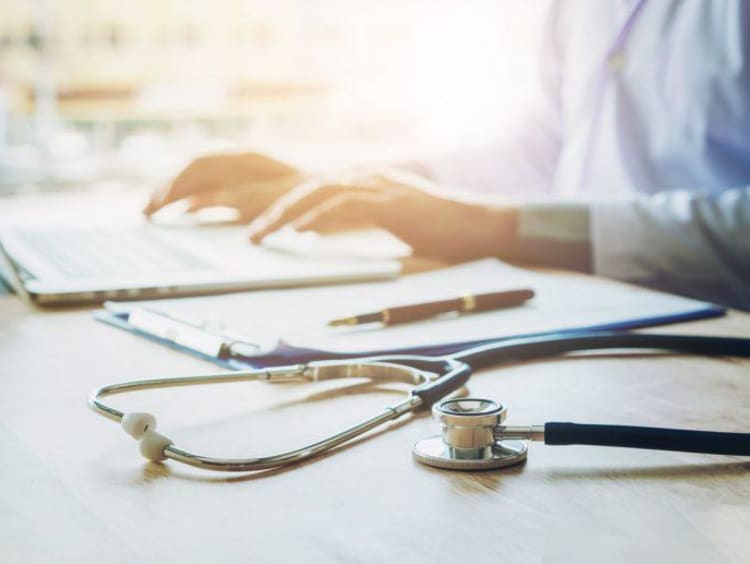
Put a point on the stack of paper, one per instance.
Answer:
(299, 317)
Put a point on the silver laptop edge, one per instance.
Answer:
(10, 274)
(10, 269)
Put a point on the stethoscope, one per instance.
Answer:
(474, 435)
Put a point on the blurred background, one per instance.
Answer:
(128, 92)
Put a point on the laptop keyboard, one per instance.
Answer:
(95, 252)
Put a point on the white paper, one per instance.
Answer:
(300, 316)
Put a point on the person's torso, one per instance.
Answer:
(669, 109)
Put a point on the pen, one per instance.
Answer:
(416, 312)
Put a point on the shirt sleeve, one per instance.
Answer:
(681, 241)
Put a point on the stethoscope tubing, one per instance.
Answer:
(652, 438)
(649, 438)
(438, 377)
(533, 348)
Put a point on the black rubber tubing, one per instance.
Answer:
(546, 346)
(559, 433)
(457, 376)
(555, 344)
(653, 438)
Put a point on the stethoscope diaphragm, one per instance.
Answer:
(468, 440)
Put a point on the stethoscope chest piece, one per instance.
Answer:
(468, 441)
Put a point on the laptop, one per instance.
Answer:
(93, 264)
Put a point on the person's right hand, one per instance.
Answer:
(248, 182)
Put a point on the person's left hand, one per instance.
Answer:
(434, 223)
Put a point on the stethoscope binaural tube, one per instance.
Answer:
(432, 378)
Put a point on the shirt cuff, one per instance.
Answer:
(556, 234)
(562, 221)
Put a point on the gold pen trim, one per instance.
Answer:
(343, 321)
(468, 303)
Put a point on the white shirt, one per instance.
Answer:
(646, 118)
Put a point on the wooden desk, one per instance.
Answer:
(74, 488)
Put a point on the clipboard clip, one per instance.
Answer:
(195, 336)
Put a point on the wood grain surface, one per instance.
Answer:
(74, 488)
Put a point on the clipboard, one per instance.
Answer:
(287, 326)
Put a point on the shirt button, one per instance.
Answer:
(616, 61)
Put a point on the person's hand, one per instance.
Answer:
(248, 182)
(434, 223)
